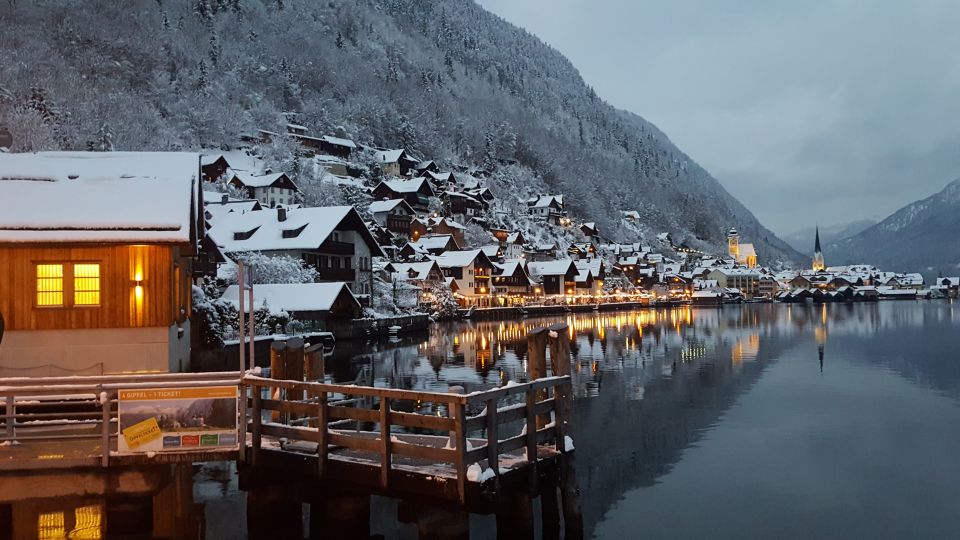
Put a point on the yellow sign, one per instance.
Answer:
(150, 394)
(142, 433)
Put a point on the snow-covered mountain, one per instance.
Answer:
(802, 240)
(923, 236)
(444, 79)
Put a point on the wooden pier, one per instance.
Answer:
(442, 455)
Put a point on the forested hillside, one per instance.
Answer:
(441, 78)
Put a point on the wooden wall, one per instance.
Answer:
(159, 305)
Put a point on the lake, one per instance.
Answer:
(762, 420)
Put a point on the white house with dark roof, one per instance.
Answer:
(270, 189)
(471, 271)
(332, 239)
(547, 207)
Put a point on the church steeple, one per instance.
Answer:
(818, 263)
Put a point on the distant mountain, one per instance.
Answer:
(444, 79)
(802, 240)
(923, 236)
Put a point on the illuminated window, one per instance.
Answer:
(49, 284)
(50, 524)
(86, 284)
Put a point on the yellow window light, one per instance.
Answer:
(49, 284)
(86, 284)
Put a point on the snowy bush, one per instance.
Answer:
(274, 269)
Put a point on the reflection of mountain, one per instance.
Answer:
(623, 444)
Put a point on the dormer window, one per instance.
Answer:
(293, 233)
(244, 235)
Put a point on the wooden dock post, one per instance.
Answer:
(272, 513)
(549, 508)
(278, 353)
(515, 516)
(537, 365)
(569, 492)
(339, 516)
(293, 368)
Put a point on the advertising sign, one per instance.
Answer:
(178, 419)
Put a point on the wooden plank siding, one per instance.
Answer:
(165, 299)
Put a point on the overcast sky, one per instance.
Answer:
(825, 111)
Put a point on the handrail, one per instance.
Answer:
(538, 411)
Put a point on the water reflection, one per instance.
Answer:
(650, 385)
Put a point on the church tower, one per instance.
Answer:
(733, 243)
(818, 263)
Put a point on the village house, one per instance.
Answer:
(421, 227)
(442, 180)
(462, 204)
(99, 281)
(426, 275)
(746, 280)
(513, 245)
(270, 189)
(471, 272)
(395, 162)
(213, 166)
(590, 230)
(416, 191)
(431, 244)
(512, 283)
(582, 250)
(394, 214)
(217, 205)
(319, 306)
(326, 145)
(549, 208)
(591, 274)
(555, 277)
(332, 239)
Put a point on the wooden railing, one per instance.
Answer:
(78, 408)
(321, 413)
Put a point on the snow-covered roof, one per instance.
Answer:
(338, 141)
(98, 196)
(209, 159)
(747, 250)
(550, 268)
(306, 229)
(214, 211)
(434, 241)
(293, 296)
(389, 156)
(513, 237)
(545, 200)
(492, 251)
(258, 181)
(420, 270)
(457, 259)
(405, 186)
(377, 207)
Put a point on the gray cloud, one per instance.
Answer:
(807, 112)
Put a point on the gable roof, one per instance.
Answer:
(551, 268)
(459, 259)
(388, 156)
(294, 296)
(264, 180)
(123, 197)
(306, 228)
(377, 207)
(421, 270)
(338, 141)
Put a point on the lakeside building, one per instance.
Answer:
(99, 281)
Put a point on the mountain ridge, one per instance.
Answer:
(920, 236)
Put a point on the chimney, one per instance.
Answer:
(281, 213)
(224, 198)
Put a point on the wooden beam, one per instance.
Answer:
(385, 457)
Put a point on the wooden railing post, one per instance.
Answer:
(242, 420)
(323, 435)
(562, 394)
(385, 461)
(461, 447)
(531, 425)
(256, 415)
(278, 372)
(11, 413)
(105, 421)
(493, 438)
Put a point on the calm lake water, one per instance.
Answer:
(764, 420)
